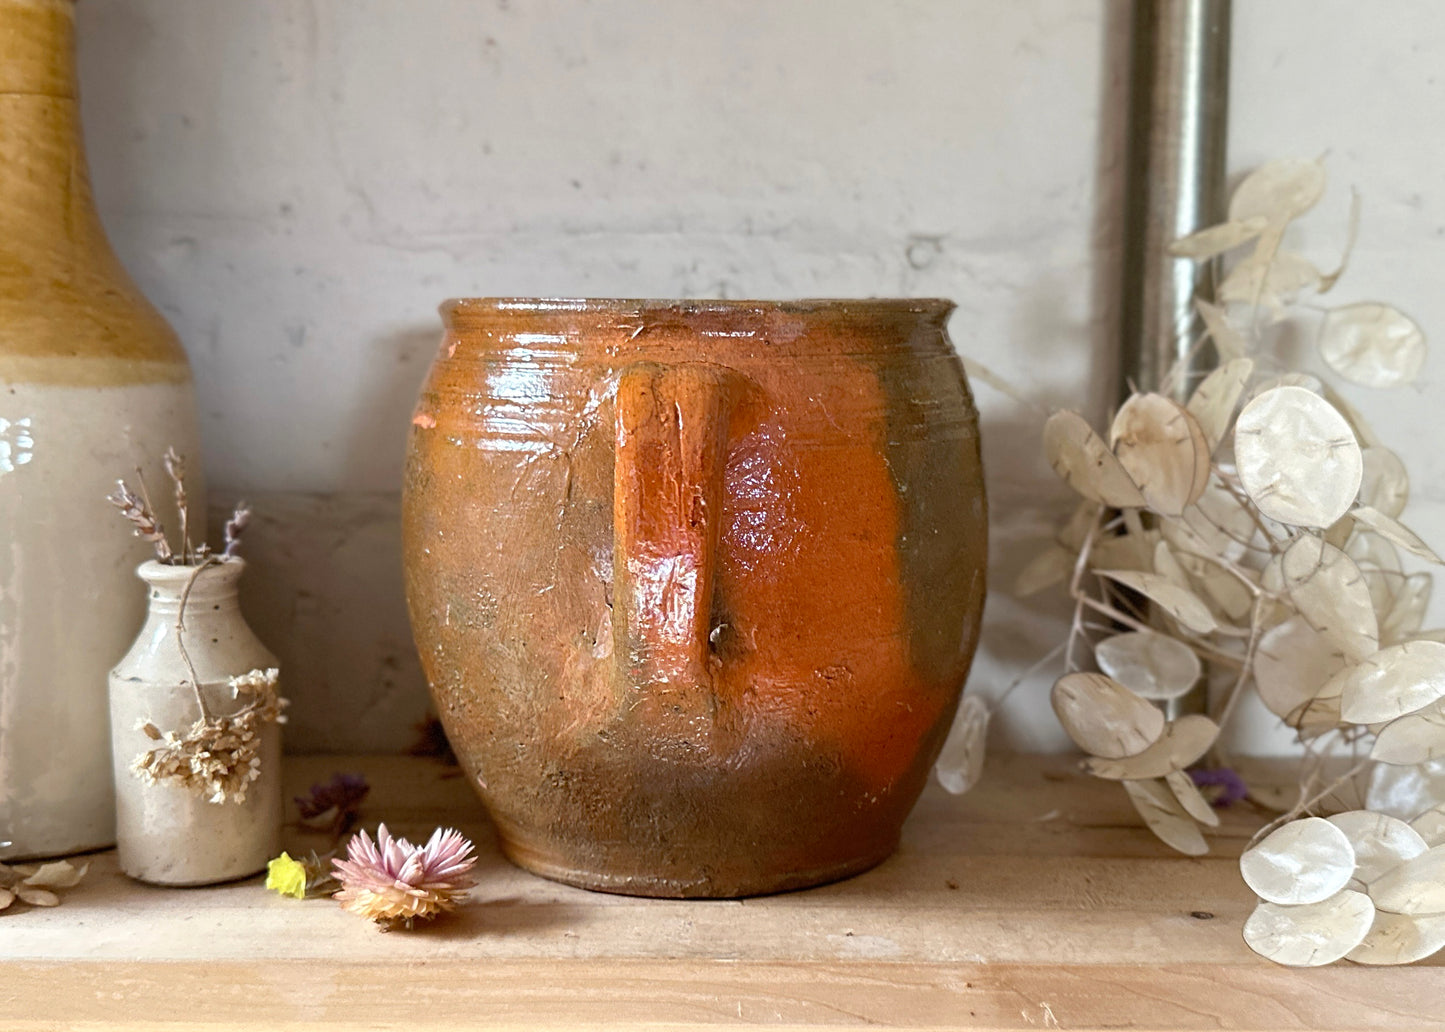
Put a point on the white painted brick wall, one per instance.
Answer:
(298, 183)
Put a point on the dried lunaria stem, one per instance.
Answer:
(1256, 528)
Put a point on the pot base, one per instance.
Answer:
(705, 885)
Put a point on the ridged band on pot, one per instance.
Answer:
(696, 584)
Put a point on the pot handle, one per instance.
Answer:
(671, 439)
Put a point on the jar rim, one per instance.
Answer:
(466, 309)
(153, 571)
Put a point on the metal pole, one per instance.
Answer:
(1174, 182)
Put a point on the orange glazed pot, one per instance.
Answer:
(696, 584)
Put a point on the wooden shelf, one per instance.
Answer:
(1037, 901)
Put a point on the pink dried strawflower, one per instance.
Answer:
(393, 882)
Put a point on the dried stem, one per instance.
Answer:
(181, 635)
(1305, 805)
(175, 467)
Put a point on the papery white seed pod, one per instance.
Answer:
(1415, 887)
(1305, 861)
(1164, 451)
(1394, 681)
(1165, 817)
(1103, 717)
(1311, 935)
(1400, 939)
(1152, 665)
(1084, 461)
(1372, 344)
(1297, 457)
(1183, 742)
(1278, 191)
(1381, 842)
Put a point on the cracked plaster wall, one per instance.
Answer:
(298, 183)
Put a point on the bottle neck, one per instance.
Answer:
(37, 42)
(47, 215)
(207, 591)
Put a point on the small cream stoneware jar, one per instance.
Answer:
(168, 834)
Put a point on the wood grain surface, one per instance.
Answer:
(1037, 901)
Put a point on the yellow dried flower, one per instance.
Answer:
(286, 876)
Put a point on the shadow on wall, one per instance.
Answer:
(325, 589)
(324, 592)
(1026, 503)
(384, 397)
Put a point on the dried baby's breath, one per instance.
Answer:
(218, 756)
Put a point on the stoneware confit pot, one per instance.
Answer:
(696, 584)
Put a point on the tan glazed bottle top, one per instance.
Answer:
(69, 313)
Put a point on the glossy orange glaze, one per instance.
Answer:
(696, 585)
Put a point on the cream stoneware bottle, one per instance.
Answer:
(171, 834)
(93, 384)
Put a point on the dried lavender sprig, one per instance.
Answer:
(235, 527)
(147, 526)
(175, 465)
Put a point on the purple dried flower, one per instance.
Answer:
(335, 805)
(1227, 786)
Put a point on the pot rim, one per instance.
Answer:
(463, 309)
